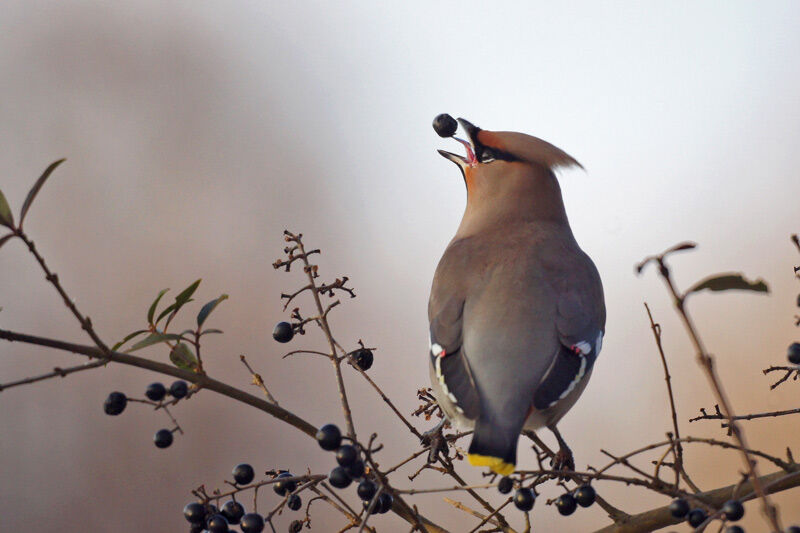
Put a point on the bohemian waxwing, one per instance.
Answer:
(516, 309)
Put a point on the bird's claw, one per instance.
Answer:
(563, 461)
(435, 439)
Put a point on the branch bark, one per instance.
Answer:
(657, 518)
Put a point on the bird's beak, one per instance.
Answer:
(470, 160)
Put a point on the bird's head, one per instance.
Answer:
(507, 171)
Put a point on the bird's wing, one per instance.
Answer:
(580, 323)
(445, 313)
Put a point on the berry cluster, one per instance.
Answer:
(207, 517)
(351, 468)
(156, 392)
(731, 511)
(566, 504)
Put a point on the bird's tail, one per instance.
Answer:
(494, 446)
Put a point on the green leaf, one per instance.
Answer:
(154, 338)
(184, 296)
(5, 238)
(183, 357)
(165, 312)
(127, 338)
(207, 331)
(6, 218)
(152, 310)
(208, 308)
(727, 282)
(181, 299)
(35, 189)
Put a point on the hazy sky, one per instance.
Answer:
(196, 132)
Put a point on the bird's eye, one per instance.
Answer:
(488, 155)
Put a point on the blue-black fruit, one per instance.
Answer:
(243, 474)
(329, 437)
(195, 512)
(733, 510)
(233, 511)
(523, 499)
(566, 504)
(585, 495)
(179, 389)
(794, 353)
(444, 125)
(697, 517)
(163, 438)
(366, 490)
(115, 403)
(252, 523)
(679, 508)
(283, 332)
(155, 392)
(339, 477)
(282, 488)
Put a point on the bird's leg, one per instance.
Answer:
(563, 459)
(435, 438)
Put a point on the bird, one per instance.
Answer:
(516, 310)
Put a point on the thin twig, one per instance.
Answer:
(56, 373)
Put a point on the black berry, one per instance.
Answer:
(523, 499)
(585, 495)
(195, 512)
(252, 523)
(793, 529)
(296, 526)
(155, 392)
(217, 524)
(697, 517)
(505, 485)
(384, 503)
(329, 437)
(243, 474)
(794, 353)
(356, 470)
(679, 508)
(734, 529)
(163, 438)
(179, 389)
(233, 511)
(283, 332)
(115, 403)
(366, 490)
(197, 528)
(346, 455)
(294, 502)
(444, 125)
(363, 358)
(566, 504)
(282, 488)
(733, 510)
(339, 478)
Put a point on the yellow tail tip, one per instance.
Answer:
(496, 464)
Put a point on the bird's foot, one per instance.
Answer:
(435, 439)
(563, 461)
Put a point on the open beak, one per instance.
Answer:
(470, 160)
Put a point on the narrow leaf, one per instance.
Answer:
(183, 357)
(212, 330)
(152, 310)
(5, 238)
(153, 338)
(6, 218)
(127, 338)
(184, 296)
(726, 282)
(165, 312)
(208, 308)
(35, 189)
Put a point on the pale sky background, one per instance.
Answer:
(196, 132)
